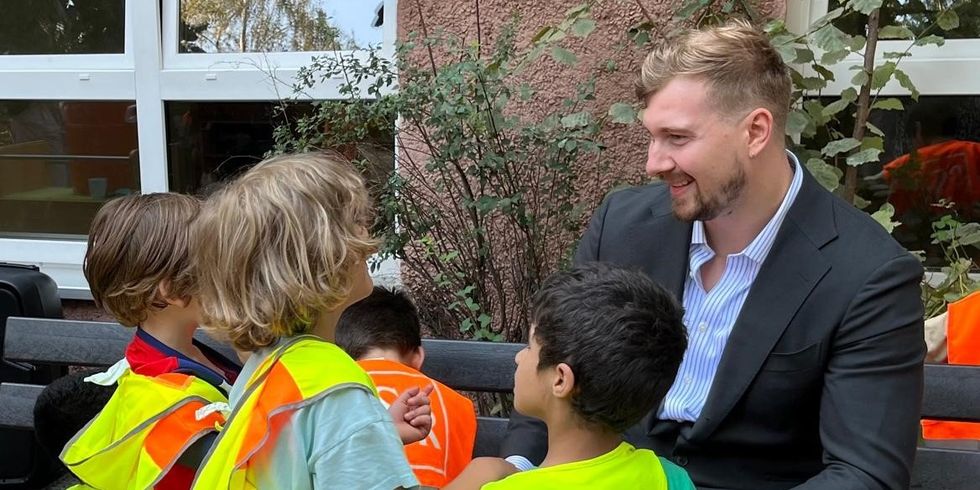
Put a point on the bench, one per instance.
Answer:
(951, 392)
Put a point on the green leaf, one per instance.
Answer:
(622, 113)
(832, 57)
(874, 129)
(884, 217)
(835, 107)
(796, 122)
(828, 175)
(856, 43)
(864, 156)
(823, 71)
(872, 142)
(803, 55)
(689, 8)
(563, 56)
(865, 6)
(930, 39)
(775, 25)
(830, 38)
(833, 14)
(575, 120)
(860, 202)
(840, 146)
(860, 78)
(895, 32)
(849, 94)
(543, 35)
(906, 83)
(812, 83)
(888, 105)
(894, 55)
(948, 20)
(583, 27)
(882, 74)
(526, 92)
(787, 52)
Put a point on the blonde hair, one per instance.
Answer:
(135, 244)
(275, 248)
(738, 62)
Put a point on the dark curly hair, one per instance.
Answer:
(622, 335)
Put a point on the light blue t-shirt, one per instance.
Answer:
(345, 440)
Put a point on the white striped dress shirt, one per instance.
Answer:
(710, 316)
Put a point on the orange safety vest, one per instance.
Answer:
(142, 431)
(440, 457)
(963, 344)
(299, 372)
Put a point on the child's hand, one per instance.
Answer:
(412, 414)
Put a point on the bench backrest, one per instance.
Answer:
(951, 392)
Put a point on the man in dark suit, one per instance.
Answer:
(804, 318)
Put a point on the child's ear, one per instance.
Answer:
(416, 358)
(163, 293)
(564, 381)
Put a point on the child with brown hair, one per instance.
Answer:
(280, 253)
(138, 269)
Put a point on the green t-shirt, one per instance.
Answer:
(623, 467)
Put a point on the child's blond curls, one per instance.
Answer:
(277, 247)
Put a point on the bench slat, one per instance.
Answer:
(946, 469)
(952, 393)
(471, 366)
(17, 405)
(75, 343)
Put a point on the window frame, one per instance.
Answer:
(152, 72)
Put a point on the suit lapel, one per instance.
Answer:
(792, 269)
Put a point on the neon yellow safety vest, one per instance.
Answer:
(301, 371)
(142, 431)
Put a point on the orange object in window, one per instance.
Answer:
(949, 170)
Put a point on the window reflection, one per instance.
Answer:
(918, 15)
(236, 26)
(61, 160)
(62, 26)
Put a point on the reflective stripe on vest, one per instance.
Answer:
(963, 344)
(445, 452)
(142, 431)
(299, 372)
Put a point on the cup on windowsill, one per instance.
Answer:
(97, 187)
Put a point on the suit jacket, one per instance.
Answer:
(820, 383)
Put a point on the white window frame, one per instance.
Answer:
(152, 72)
(947, 70)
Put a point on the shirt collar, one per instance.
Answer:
(759, 248)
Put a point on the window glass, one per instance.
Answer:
(210, 142)
(918, 15)
(61, 160)
(62, 26)
(237, 26)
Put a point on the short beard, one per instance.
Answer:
(709, 209)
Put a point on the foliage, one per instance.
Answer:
(484, 204)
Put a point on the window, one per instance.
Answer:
(204, 76)
(931, 148)
(60, 160)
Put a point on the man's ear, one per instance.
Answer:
(564, 381)
(759, 125)
(416, 358)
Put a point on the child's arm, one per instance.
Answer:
(481, 471)
(412, 414)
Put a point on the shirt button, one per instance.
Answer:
(688, 379)
(703, 326)
(681, 460)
